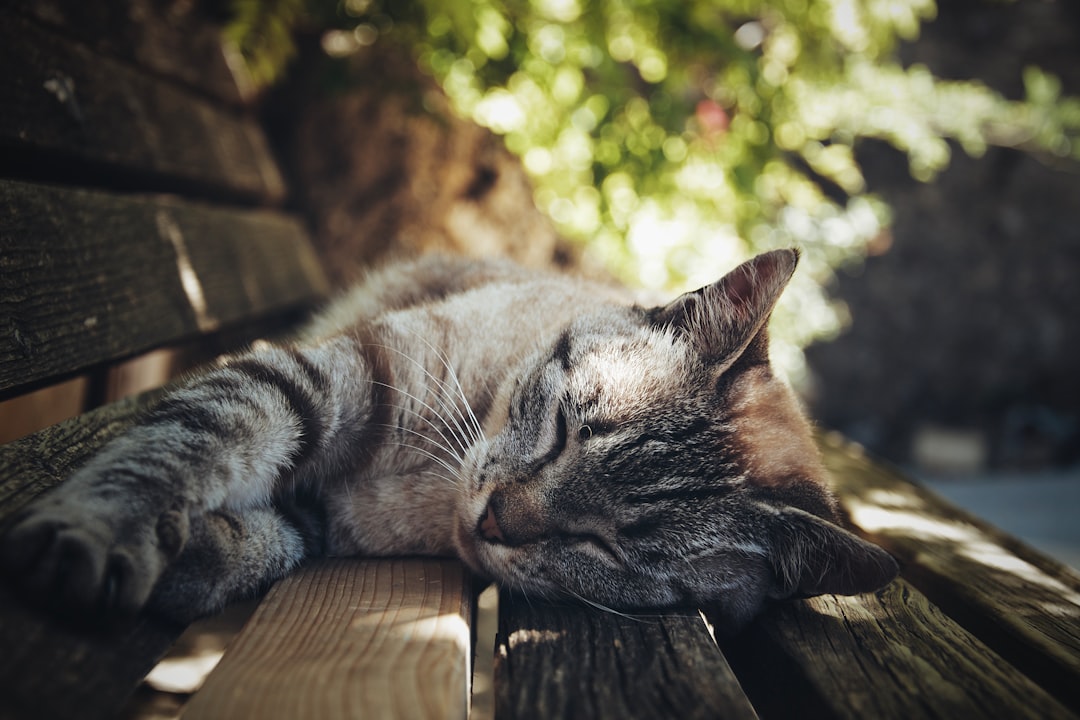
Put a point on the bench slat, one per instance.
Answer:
(79, 106)
(893, 655)
(351, 638)
(557, 661)
(1021, 603)
(32, 465)
(154, 270)
(50, 670)
(173, 39)
(53, 671)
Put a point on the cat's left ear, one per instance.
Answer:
(723, 319)
(811, 556)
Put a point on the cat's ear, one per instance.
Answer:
(723, 318)
(812, 556)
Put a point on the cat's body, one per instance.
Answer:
(550, 433)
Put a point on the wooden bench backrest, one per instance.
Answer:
(134, 214)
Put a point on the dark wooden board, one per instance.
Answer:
(562, 661)
(51, 669)
(32, 465)
(80, 107)
(1021, 603)
(171, 39)
(89, 277)
(890, 655)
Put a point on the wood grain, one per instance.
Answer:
(351, 638)
(1021, 603)
(79, 106)
(561, 661)
(51, 669)
(32, 465)
(890, 655)
(173, 40)
(90, 277)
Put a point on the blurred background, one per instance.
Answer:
(923, 157)
(926, 159)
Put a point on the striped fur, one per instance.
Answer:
(555, 436)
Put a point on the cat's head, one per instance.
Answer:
(650, 458)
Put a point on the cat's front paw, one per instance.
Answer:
(89, 555)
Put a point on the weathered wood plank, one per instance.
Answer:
(890, 655)
(351, 638)
(558, 661)
(49, 669)
(32, 465)
(1021, 603)
(53, 671)
(174, 39)
(79, 106)
(89, 277)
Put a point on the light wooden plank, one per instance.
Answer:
(350, 638)
(89, 276)
(176, 40)
(77, 105)
(890, 655)
(1021, 603)
(570, 661)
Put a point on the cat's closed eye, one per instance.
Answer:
(597, 546)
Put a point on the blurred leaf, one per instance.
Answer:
(675, 137)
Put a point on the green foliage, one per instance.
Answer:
(675, 137)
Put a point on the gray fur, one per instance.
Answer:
(555, 436)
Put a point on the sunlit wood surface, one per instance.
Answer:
(1023, 604)
(889, 655)
(351, 638)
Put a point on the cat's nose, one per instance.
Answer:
(489, 527)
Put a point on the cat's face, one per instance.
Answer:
(652, 459)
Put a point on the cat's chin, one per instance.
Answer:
(466, 544)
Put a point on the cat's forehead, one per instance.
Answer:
(642, 357)
(626, 365)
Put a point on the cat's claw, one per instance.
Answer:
(65, 554)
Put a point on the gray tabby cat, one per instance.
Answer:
(556, 437)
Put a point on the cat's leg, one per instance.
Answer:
(224, 440)
(235, 554)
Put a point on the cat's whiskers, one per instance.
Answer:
(452, 411)
(422, 436)
(449, 480)
(447, 445)
(476, 426)
(431, 456)
(601, 606)
(460, 442)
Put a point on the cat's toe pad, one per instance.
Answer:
(64, 554)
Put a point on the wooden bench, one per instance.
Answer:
(134, 198)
